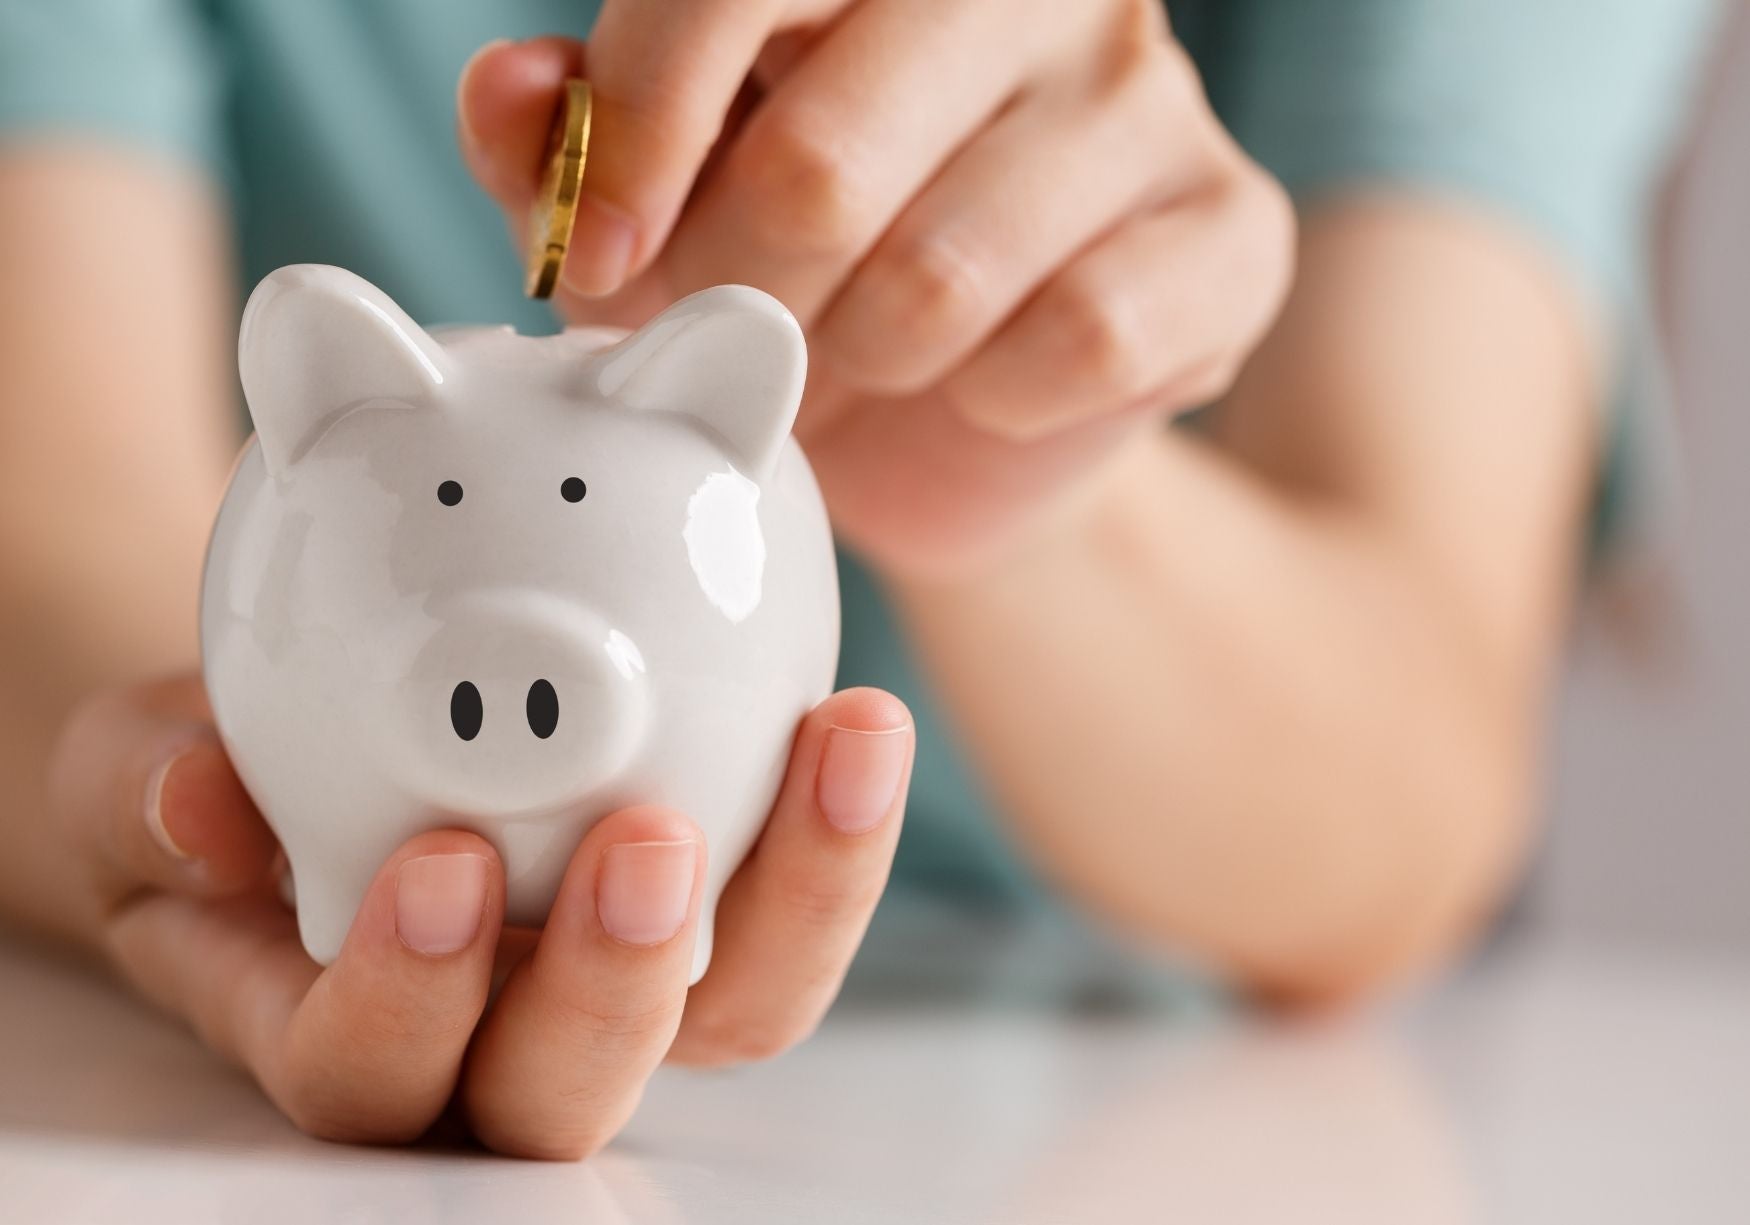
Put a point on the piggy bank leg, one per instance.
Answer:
(326, 897)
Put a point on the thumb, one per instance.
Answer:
(664, 76)
(144, 792)
(506, 97)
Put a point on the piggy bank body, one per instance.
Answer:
(474, 579)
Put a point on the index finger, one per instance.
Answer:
(368, 1049)
(663, 77)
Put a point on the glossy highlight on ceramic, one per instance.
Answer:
(475, 579)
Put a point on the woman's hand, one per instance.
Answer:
(1013, 229)
(376, 1046)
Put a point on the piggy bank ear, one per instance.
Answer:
(316, 343)
(731, 357)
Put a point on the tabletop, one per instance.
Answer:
(1542, 1086)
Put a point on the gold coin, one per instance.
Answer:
(554, 211)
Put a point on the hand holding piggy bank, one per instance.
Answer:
(474, 579)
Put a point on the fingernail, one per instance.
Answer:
(859, 776)
(644, 888)
(155, 808)
(462, 127)
(439, 900)
(601, 249)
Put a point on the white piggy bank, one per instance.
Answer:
(474, 579)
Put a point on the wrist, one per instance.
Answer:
(968, 554)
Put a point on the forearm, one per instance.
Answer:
(114, 440)
(54, 656)
(1253, 703)
(1230, 730)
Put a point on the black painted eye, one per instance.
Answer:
(466, 711)
(572, 489)
(449, 493)
(543, 707)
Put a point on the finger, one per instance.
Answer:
(1163, 312)
(368, 1050)
(1062, 166)
(917, 487)
(851, 132)
(663, 77)
(793, 916)
(561, 1062)
(148, 796)
(506, 96)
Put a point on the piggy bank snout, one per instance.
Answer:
(468, 709)
(521, 701)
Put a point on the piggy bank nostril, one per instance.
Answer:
(466, 711)
(543, 708)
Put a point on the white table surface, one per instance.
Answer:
(1543, 1087)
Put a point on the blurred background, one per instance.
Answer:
(1649, 836)
(1592, 1065)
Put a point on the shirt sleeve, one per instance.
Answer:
(140, 73)
(1558, 113)
(1559, 116)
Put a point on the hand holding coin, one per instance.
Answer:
(1014, 246)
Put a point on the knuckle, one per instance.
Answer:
(804, 192)
(630, 1025)
(814, 902)
(1220, 379)
(1152, 90)
(1141, 59)
(548, 1143)
(724, 1042)
(1261, 231)
(1144, 19)
(325, 1115)
(418, 1020)
(1274, 204)
(667, 110)
(1171, 86)
(544, 1127)
(1278, 226)
(559, 1148)
(933, 289)
(85, 729)
(1261, 204)
(611, 1023)
(1207, 384)
(1167, 58)
(1102, 334)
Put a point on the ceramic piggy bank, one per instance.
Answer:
(473, 579)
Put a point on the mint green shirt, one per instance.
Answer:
(330, 124)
